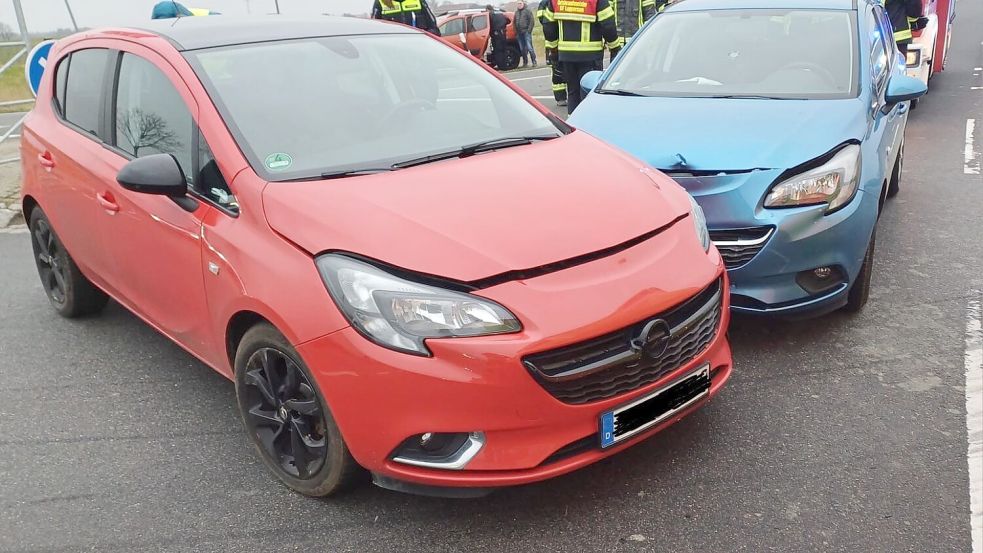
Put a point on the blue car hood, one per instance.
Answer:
(716, 134)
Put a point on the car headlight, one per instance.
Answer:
(400, 314)
(914, 57)
(700, 223)
(834, 183)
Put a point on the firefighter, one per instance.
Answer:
(415, 13)
(579, 30)
(559, 86)
(905, 15)
(630, 15)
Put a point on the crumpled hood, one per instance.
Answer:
(468, 219)
(714, 134)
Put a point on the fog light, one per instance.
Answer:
(822, 272)
(440, 450)
(820, 280)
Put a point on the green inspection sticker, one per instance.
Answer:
(278, 162)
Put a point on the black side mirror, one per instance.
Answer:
(159, 174)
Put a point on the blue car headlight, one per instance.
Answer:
(700, 223)
(833, 183)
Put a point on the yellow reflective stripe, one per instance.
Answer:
(540, 13)
(585, 32)
(575, 17)
(549, 15)
(390, 8)
(646, 3)
(619, 43)
(199, 11)
(552, 43)
(559, 87)
(412, 5)
(902, 35)
(570, 46)
(606, 13)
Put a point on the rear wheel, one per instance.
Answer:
(894, 185)
(287, 418)
(860, 291)
(70, 293)
(511, 58)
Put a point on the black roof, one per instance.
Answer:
(192, 33)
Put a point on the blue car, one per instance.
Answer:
(785, 119)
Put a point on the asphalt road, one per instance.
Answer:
(839, 434)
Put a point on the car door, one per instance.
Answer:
(452, 31)
(66, 155)
(478, 33)
(898, 114)
(156, 242)
(879, 65)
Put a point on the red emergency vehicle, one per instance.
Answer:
(928, 50)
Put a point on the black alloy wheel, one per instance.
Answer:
(287, 417)
(282, 411)
(51, 268)
(68, 290)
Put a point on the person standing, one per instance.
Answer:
(497, 22)
(524, 23)
(556, 76)
(630, 15)
(903, 14)
(415, 13)
(579, 30)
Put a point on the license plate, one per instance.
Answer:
(644, 413)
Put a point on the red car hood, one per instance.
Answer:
(468, 219)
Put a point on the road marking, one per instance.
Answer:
(971, 165)
(974, 418)
(544, 76)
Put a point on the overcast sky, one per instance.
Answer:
(45, 15)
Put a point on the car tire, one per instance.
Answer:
(287, 418)
(512, 57)
(70, 293)
(894, 184)
(860, 291)
(914, 104)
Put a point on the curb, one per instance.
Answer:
(10, 215)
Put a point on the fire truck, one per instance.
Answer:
(928, 50)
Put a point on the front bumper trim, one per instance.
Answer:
(457, 461)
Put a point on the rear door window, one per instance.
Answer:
(84, 89)
(452, 27)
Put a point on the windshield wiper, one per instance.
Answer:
(618, 92)
(472, 149)
(748, 97)
(355, 172)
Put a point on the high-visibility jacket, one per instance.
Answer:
(902, 14)
(580, 29)
(415, 13)
(630, 15)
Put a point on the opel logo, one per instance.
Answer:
(653, 340)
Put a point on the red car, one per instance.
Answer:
(354, 221)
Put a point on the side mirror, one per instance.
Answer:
(159, 174)
(590, 79)
(901, 88)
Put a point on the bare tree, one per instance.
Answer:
(7, 33)
(147, 130)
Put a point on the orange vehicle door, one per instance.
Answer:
(478, 32)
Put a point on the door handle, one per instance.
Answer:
(107, 202)
(46, 160)
(902, 107)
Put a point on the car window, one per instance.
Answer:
(878, 53)
(479, 22)
(84, 88)
(209, 181)
(793, 53)
(151, 117)
(358, 102)
(887, 34)
(61, 79)
(452, 27)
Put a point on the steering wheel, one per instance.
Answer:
(416, 103)
(809, 66)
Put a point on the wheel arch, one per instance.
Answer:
(237, 327)
(28, 204)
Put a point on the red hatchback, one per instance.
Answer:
(405, 264)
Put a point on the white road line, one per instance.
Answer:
(19, 229)
(974, 417)
(971, 165)
(544, 76)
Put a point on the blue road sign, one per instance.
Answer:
(36, 62)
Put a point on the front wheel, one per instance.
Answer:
(860, 291)
(287, 418)
(894, 185)
(70, 293)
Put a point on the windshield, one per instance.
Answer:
(303, 108)
(746, 53)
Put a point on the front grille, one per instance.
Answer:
(739, 246)
(608, 366)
